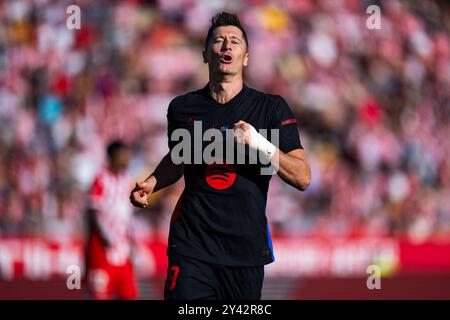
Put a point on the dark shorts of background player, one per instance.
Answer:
(192, 279)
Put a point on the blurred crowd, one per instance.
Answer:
(373, 107)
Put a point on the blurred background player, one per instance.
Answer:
(108, 261)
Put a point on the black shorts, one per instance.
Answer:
(192, 279)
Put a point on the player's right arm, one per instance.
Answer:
(98, 219)
(165, 174)
(93, 220)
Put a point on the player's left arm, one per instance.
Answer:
(293, 168)
(289, 159)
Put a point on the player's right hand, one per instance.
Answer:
(140, 193)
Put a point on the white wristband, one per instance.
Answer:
(259, 143)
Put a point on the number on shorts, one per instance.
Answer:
(172, 277)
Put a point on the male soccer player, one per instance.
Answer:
(219, 239)
(108, 262)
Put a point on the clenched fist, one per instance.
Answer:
(245, 133)
(140, 193)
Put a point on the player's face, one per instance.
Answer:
(227, 51)
(121, 159)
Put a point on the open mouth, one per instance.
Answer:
(226, 58)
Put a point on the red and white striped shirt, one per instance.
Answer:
(109, 196)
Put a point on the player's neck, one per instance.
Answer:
(115, 171)
(224, 89)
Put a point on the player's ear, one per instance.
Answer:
(205, 59)
(246, 59)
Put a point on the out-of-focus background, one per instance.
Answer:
(373, 109)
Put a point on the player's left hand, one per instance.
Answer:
(245, 133)
(242, 132)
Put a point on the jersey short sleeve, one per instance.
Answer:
(283, 119)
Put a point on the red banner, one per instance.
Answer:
(41, 259)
